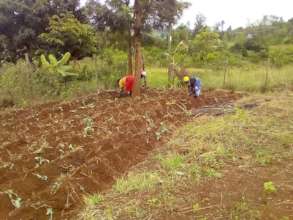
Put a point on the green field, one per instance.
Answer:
(250, 79)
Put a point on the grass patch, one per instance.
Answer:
(263, 156)
(93, 200)
(269, 187)
(137, 182)
(171, 162)
(242, 210)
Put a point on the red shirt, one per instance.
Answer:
(129, 83)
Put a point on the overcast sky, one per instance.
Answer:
(236, 12)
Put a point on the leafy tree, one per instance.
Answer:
(219, 27)
(157, 14)
(181, 33)
(66, 33)
(21, 22)
(113, 21)
(206, 46)
(289, 38)
(200, 23)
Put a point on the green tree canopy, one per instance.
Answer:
(66, 33)
(21, 21)
(206, 46)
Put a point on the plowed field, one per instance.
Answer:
(52, 154)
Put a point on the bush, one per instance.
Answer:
(281, 55)
(23, 83)
(15, 83)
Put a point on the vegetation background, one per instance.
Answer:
(97, 36)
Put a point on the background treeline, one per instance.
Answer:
(97, 37)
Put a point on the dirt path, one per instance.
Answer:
(52, 154)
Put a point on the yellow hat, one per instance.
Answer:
(186, 79)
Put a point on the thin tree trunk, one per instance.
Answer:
(170, 73)
(225, 75)
(130, 70)
(138, 17)
(266, 76)
(130, 64)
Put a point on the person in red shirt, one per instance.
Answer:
(126, 84)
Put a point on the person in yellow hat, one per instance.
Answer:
(194, 85)
(186, 79)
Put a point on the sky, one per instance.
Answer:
(236, 13)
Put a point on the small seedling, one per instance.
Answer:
(88, 123)
(71, 147)
(149, 121)
(154, 202)
(14, 198)
(55, 187)
(263, 157)
(93, 200)
(162, 130)
(210, 172)
(242, 210)
(41, 177)
(195, 172)
(41, 160)
(5, 165)
(195, 207)
(269, 187)
(50, 213)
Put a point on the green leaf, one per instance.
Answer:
(65, 74)
(44, 62)
(65, 59)
(53, 60)
(66, 68)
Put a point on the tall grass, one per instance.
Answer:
(23, 84)
(250, 78)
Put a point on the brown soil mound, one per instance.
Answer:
(52, 154)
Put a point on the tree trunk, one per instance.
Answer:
(130, 70)
(130, 64)
(170, 69)
(138, 17)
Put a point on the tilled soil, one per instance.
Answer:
(53, 154)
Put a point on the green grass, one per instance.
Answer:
(269, 187)
(93, 200)
(250, 78)
(171, 162)
(243, 210)
(158, 77)
(136, 182)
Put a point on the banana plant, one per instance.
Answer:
(60, 67)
